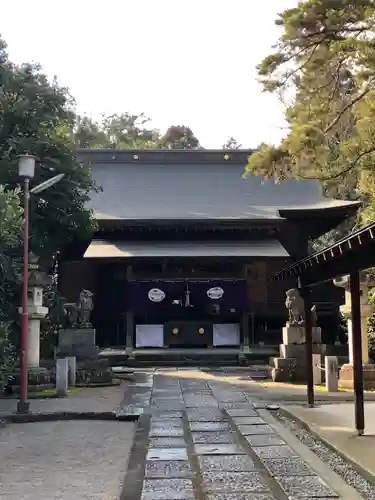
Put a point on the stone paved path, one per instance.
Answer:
(200, 437)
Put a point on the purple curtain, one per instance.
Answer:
(137, 295)
(234, 294)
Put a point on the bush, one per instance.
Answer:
(8, 358)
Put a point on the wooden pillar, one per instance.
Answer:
(355, 292)
(129, 320)
(129, 332)
(245, 342)
(245, 332)
(305, 292)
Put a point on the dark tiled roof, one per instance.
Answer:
(187, 191)
(128, 249)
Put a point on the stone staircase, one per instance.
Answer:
(257, 355)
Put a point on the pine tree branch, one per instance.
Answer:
(350, 104)
(342, 172)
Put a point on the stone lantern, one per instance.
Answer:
(38, 280)
(367, 309)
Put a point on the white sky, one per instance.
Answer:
(181, 62)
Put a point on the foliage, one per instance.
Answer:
(36, 116)
(10, 251)
(231, 143)
(323, 70)
(8, 358)
(54, 320)
(127, 131)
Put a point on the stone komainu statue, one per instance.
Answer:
(295, 305)
(79, 313)
(296, 308)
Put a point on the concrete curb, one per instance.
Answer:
(22, 418)
(370, 477)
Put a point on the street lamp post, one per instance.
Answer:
(26, 170)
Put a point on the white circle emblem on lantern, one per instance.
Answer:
(156, 295)
(215, 293)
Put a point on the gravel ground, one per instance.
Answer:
(64, 460)
(335, 461)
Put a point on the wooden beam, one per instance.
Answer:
(308, 345)
(355, 291)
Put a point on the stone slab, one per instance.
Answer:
(242, 412)
(167, 454)
(229, 481)
(238, 496)
(165, 415)
(206, 416)
(167, 442)
(237, 406)
(231, 463)
(265, 440)
(305, 487)
(248, 421)
(250, 430)
(167, 489)
(161, 424)
(291, 466)
(219, 449)
(209, 426)
(167, 431)
(168, 468)
(283, 451)
(214, 437)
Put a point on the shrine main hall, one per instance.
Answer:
(186, 246)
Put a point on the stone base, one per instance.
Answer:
(295, 334)
(346, 377)
(288, 370)
(299, 350)
(78, 342)
(38, 380)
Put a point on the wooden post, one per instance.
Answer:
(355, 292)
(305, 292)
(129, 332)
(245, 332)
(129, 320)
(245, 347)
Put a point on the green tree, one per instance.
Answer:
(323, 69)
(127, 131)
(179, 137)
(10, 253)
(36, 116)
(231, 143)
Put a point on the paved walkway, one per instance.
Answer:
(202, 436)
(335, 424)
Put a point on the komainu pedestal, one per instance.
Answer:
(78, 342)
(291, 365)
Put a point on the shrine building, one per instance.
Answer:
(185, 248)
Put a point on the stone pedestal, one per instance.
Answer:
(367, 309)
(331, 373)
(78, 342)
(62, 370)
(291, 365)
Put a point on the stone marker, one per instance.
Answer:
(331, 373)
(72, 369)
(62, 369)
(317, 369)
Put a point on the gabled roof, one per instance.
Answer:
(193, 185)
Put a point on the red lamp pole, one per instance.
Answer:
(23, 404)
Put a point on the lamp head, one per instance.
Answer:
(26, 166)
